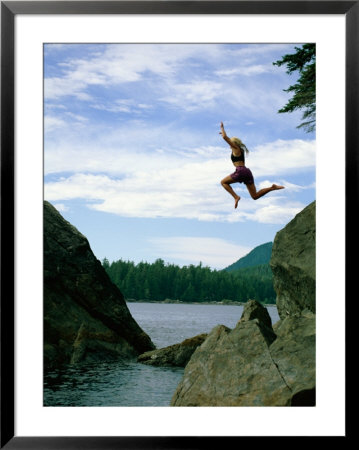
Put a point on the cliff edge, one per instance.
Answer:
(85, 314)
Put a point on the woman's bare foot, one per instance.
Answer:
(236, 202)
(275, 187)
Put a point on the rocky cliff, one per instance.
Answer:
(256, 364)
(85, 314)
(293, 264)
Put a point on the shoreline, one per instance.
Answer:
(178, 302)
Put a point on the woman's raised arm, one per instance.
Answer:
(226, 138)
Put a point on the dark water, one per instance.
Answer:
(129, 383)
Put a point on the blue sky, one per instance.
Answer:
(133, 157)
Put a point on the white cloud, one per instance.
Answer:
(282, 156)
(258, 99)
(52, 123)
(125, 149)
(56, 87)
(288, 185)
(134, 168)
(191, 191)
(194, 95)
(116, 64)
(122, 106)
(163, 64)
(61, 207)
(51, 106)
(76, 117)
(64, 124)
(214, 252)
(249, 70)
(255, 50)
(276, 213)
(124, 175)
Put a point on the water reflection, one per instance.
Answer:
(115, 383)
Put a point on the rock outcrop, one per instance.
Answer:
(293, 264)
(256, 364)
(251, 365)
(176, 355)
(85, 314)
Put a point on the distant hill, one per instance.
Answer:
(258, 256)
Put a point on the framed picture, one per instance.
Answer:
(31, 33)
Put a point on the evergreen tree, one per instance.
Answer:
(106, 264)
(160, 281)
(303, 61)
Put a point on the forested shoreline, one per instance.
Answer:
(160, 281)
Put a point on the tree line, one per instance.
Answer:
(159, 281)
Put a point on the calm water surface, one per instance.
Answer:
(129, 383)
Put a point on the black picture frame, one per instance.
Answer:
(9, 9)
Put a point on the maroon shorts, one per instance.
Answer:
(242, 175)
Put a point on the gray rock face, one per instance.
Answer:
(254, 364)
(85, 314)
(251, 365)
(293, 264)
(293, 352)
(176, 355)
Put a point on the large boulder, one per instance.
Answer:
(251, 365)
(176, 355)
(293, 352)
(256, 364)
(293, 264)
(85, 314)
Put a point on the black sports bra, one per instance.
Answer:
(238, 158)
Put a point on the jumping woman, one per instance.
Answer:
(242, 174)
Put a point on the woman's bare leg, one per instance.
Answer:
(256, 195)
(226, 183)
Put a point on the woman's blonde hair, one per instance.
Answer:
(240, 144)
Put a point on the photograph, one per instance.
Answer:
(177, 182)
(179, 224)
